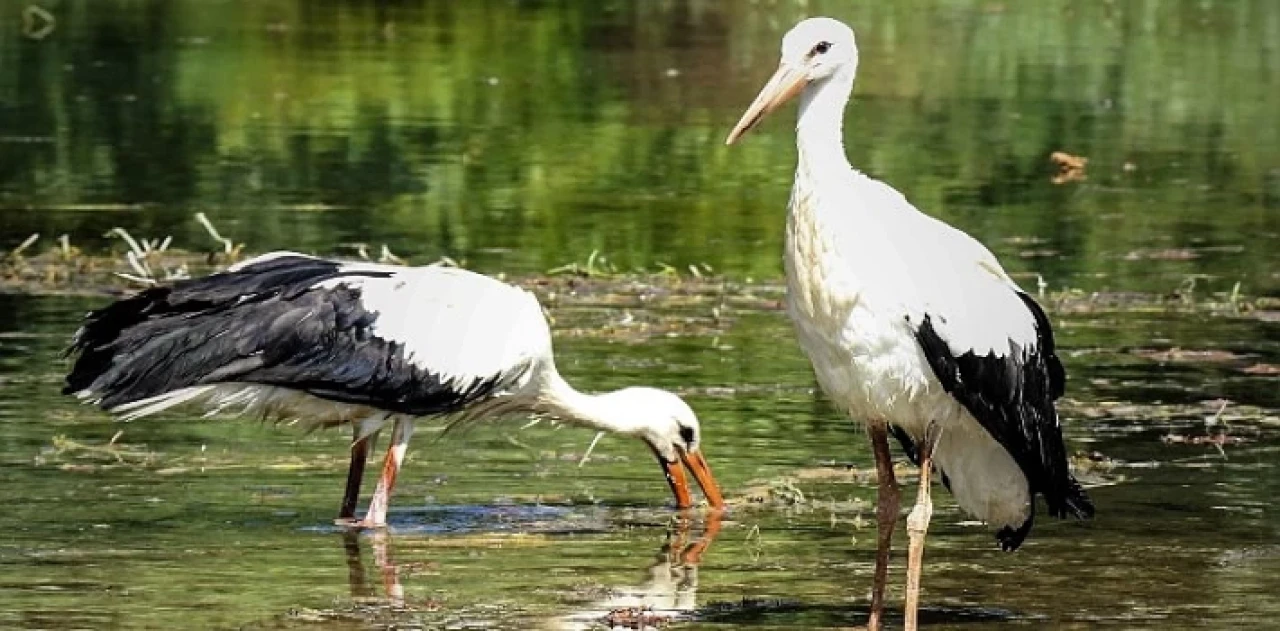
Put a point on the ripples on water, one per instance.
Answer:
(519, 136)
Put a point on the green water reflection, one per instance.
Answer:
(523, 135)
(520, 135)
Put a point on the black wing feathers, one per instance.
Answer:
(1012, 397)
(907, 443)
(267, 324)
(1057, 374)
(102, 328)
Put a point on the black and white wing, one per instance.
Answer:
(404, 340)
(992, 348)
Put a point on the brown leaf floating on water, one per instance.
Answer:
(1070, 168)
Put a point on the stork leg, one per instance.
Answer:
(918, 524)
(360, 448)
(886, 518)
(377, 515)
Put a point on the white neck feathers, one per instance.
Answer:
(819, 130)
(596, 411)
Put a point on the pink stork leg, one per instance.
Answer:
(377, 515)
(886, 518)
(918, 524)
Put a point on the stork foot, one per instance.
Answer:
(352, 523)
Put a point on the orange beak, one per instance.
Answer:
(697, 465)
(782, 87)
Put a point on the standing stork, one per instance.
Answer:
(293, 337)
(913, 326)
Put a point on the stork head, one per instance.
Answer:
(813, 52)
(668, 425)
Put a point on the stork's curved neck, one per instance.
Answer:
(820, 128)
(596, 411)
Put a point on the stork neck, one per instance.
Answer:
(596, 411)
(820, 128)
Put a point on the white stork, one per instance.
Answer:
(912, 326)
(322, 342)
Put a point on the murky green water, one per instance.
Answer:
(518, 136)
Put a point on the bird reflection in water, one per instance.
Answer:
(358, 575)
(670, 590)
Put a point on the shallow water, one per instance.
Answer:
(226, 523)
(520, 136)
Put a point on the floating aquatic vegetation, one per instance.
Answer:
(76, 454)
(697, 303)
(635, 618)
(694, 301)
(1242, 363)
(1176, 354)
(1141, 416)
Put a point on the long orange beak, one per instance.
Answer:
(782, 87)
(679, 483)
(697, 465)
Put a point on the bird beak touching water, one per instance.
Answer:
(697, 465)
(787, 82)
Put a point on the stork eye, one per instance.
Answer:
(686, 434)
(821, 48)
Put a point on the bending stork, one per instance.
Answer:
(913, 326)
(326, 343)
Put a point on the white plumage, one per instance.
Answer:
(912, 326)
(456, 323)
(321, 343)
(858, 288)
